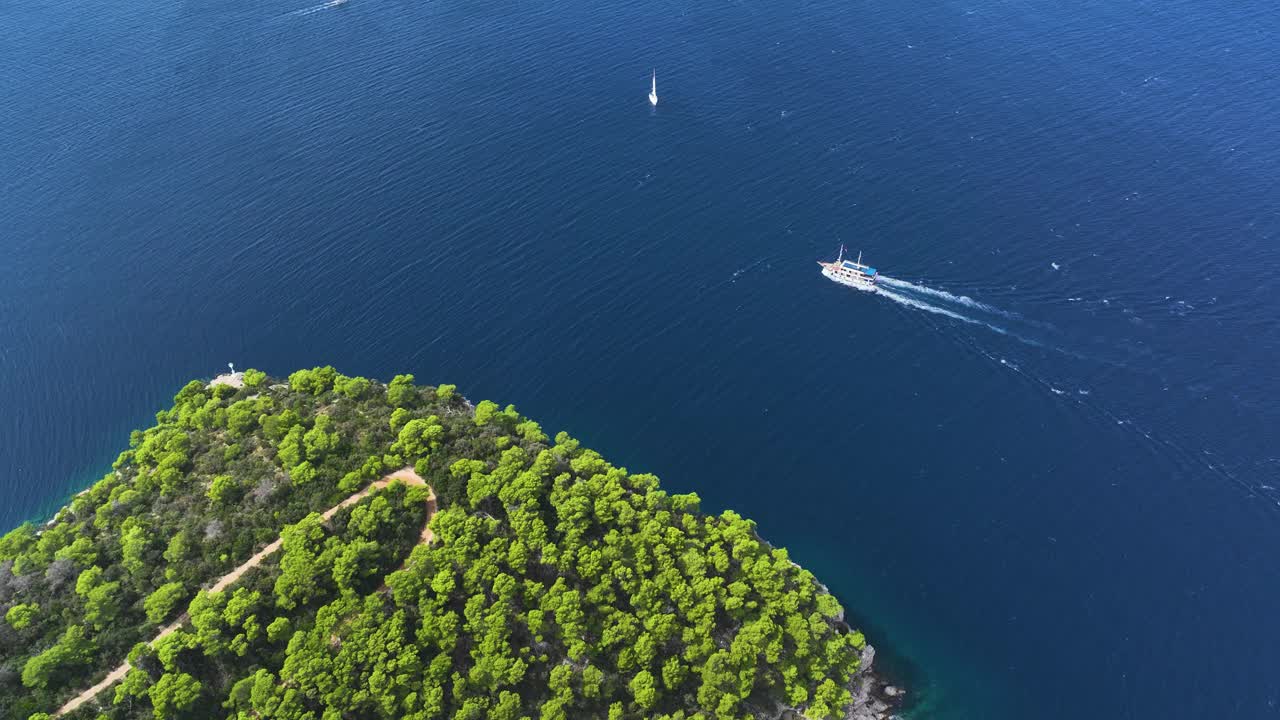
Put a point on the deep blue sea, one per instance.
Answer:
(1042, 466)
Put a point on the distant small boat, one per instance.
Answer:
(653, 90)
(850, 273)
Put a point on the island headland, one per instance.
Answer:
(324, 547)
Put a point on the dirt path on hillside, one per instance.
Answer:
(404, 475)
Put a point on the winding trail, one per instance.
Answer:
(405, 475)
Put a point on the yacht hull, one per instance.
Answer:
(865, 285)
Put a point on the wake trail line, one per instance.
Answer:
(917, 304)
(318, 8)
(944, 295)
(406, 475)
(922, 305)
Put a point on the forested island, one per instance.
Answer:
(328, 547)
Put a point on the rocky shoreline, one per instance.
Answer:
(874, 698)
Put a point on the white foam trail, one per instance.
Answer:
(318, 8)
(943, 295)
(921, 305)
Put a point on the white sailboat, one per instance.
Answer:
(653, 90)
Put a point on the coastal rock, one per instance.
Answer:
(234, 379)
(873, 697)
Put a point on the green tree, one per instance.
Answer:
(400, 391)
(71, 651)
(507, 707)
(181, 546)
(644, 690)
(351, 387)
(302, 563)
(205, 612)
(82, 551)
(419, 437)
(173, 694)
(223, 489)
(320, 440)
(276, 427)
(315, 381)
(102, 605)
(17, 541)
(20, 616)
(485, 412)
(159, 604)
(674, 673)
(136, 683)
(135, 546)
(302, 473)
(292, 449)
(592, 681)
(242, 416)
(279, 629)
(88, 580)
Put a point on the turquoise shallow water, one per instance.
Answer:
(1041, 467)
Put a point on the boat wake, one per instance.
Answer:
(964, 300)
(318, 8)
(1065, 383)
(930, 308)
(962, 308)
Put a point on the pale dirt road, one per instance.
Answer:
(405, 475)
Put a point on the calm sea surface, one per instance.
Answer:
(1043, 467)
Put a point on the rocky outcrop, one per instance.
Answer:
(873, 697)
